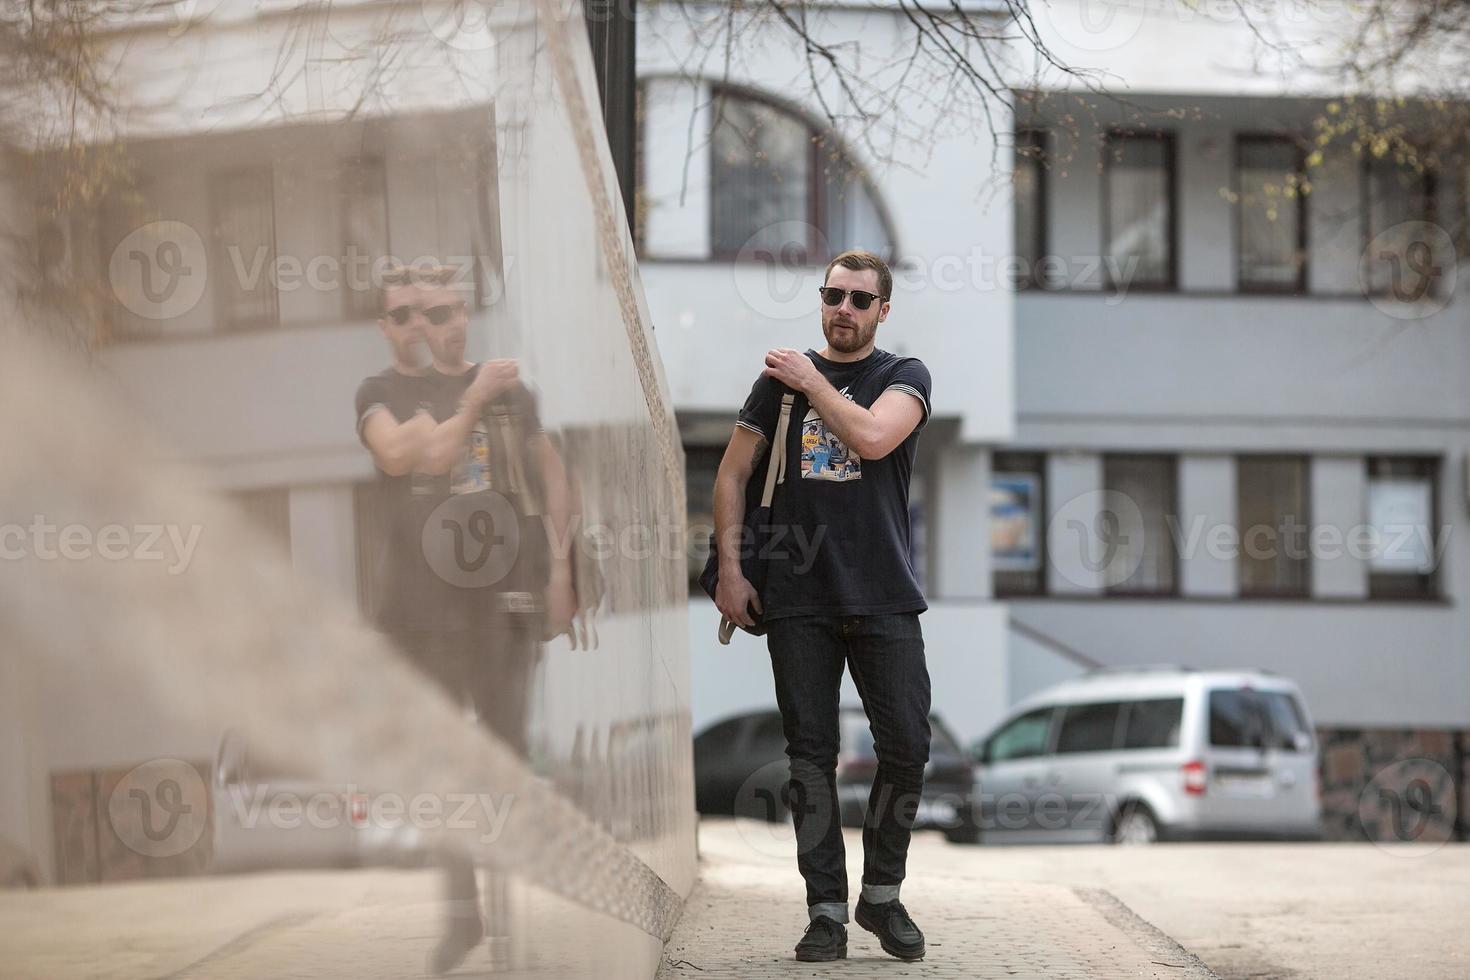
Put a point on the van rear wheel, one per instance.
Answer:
(1135, 824)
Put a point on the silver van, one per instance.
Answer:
(1143, 754)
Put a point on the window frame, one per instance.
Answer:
(1305, 590)
(225, 323)
(1171, 461)
(1039, 139)
(1430, 585)
(355, 164)
(1170, 284)
(1366, 232)
(1014, 460)
(815, 212)
(1300, 287)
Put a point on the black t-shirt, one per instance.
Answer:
(405, 584)
(845, 519)
(443, 581)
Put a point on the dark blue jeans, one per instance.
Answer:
(886, 657)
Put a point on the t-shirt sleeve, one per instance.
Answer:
(372, 395)
(762, 407)
(913, 377)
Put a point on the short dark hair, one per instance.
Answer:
(415, 275)
(857, 259)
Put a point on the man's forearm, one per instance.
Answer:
(447, 440)
(729, 521)
(849, 421)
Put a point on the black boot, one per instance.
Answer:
(825, 939)
(896, 932)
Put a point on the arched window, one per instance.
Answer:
(782, 188)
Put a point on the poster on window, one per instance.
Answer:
(1399, 508)
(1015, 519)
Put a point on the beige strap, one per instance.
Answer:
(775, 473)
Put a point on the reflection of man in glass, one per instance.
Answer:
(469, 484)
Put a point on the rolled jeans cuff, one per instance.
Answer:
(832, 910)
(878, 894)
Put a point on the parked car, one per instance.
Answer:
(740, 769)
(1145, 754)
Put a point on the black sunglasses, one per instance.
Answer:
(861, 299)
(437, 315)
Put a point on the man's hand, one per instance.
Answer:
(493, 378)
(561, 606)
(792, 368)
(733, 596)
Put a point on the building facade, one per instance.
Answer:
(1200, 390)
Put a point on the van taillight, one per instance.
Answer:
(1195, 777)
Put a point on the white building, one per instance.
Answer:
(1239, 378)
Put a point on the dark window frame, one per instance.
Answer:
(1170, 284)
(999, 589)
(381, 165)
(224, 322)
(1428, 585)
(1038, 139)
(1175, 590)
(1300, 287)
(1305, 590)
(816, 213)
(1366, 232)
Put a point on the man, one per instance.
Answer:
(464, 605)
(858, 602)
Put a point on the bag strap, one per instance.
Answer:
(775, 473)
(776, 464)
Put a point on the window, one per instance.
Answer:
(1236, 719)
(1271, 225)
(1139, 551)
(1400, 257)
(1153, 724)
(1022, 738)
(1017, 523)
(1271, 506)
(364, 199)
(1029, 180)
(1089, 727)
(718, 740)
(782, 190)
(1403, 499)
(1288, 724)
(768, 736)
(243, 240)
(1138, 210)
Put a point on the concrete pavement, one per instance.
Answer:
(1258, 911)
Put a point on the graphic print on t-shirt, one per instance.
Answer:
(823, 455)
(472, 473)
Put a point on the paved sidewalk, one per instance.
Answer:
(747, 912)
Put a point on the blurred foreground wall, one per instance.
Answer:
(214, 294)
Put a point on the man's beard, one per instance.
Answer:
(416, 353)
(845, 342)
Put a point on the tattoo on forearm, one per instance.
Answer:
(759, 452)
